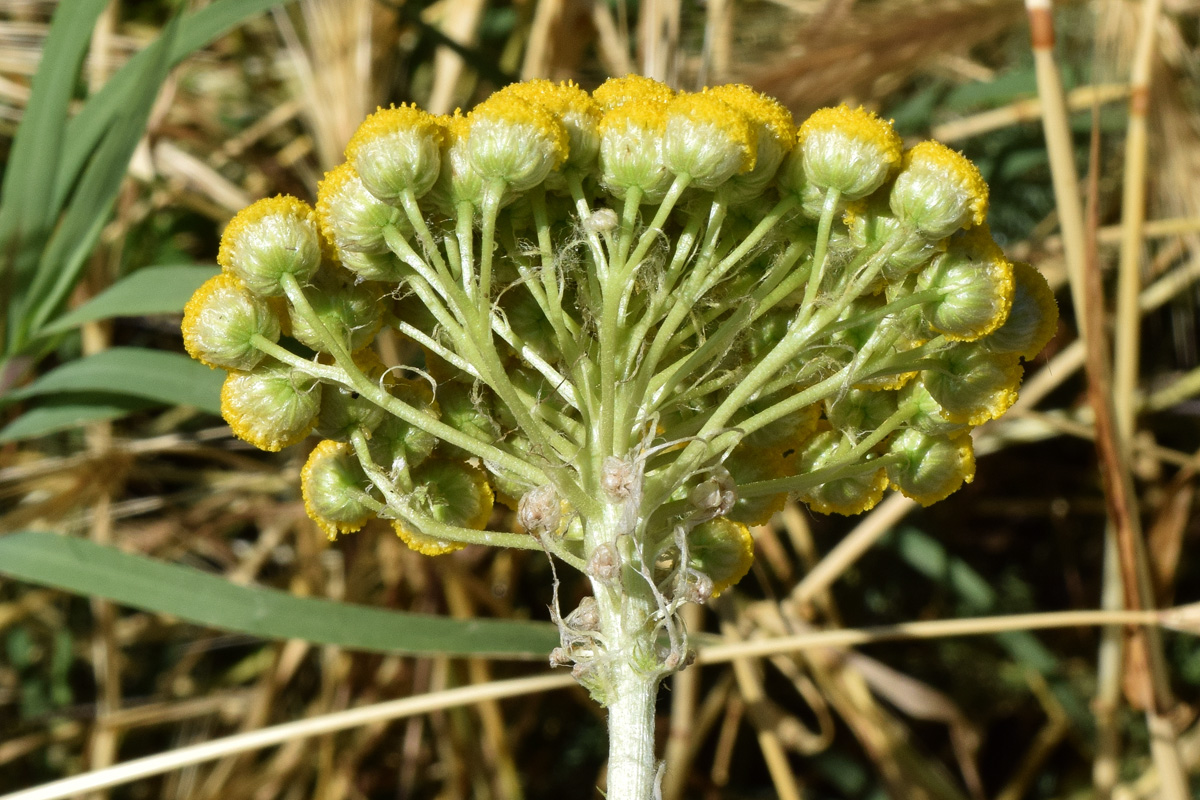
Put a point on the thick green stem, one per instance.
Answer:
(626, 676)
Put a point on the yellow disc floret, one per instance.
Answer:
(616, 92)
(929, 469)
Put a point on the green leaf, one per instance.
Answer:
(199, 29)
(66, 254)
(63, 414)
(26, 211)
(170, 378)
(86, 568)
(153, 290)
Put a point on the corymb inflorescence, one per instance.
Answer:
(641, 318)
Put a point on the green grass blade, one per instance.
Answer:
(60, 266)
(64, 413)
(85, 568)
(153, 290)
(26, 212)
(155, 375)
(87, 128)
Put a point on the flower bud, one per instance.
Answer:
(575, 109)
(540, 511)
(851, 151)
(747, 464)
(395, 439)
(1033, 319)
(344, 411)
(847, 496)
(722, 550)
(707, 140)
(333, 484)
(515, 141)
(972, 384)
(451, 492)
(976, 282)
(352, 220)
(458, 181)
(774, 135)
(928, 416)
(859, 412)
(351, 312)
(272, 407)
(933, 467)
(872, 225)
(938, 191)
(220, 320)
(269, 239)
(631, 149)
(397, 150)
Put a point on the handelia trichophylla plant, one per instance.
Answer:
(647, 318)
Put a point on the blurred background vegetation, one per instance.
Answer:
(151, 123)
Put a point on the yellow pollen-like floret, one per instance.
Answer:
(397, 119)
(858, 124)
(616, 92)
(282, 205)
(955, 167)
(327, 189)
(425, 545)
(192, 313)
(745, 550)
(649, 115)
(557, 98)
(759, 110)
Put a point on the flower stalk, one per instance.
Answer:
(641, 319)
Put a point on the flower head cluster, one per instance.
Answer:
(642, 318)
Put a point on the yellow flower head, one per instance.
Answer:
(454, 493)
(220, 321)
(850, 150)
(848, 496)
(939, 191)
(972, 384)
(573, 107)
(616, 92)
(977, 285)
(397, 150)
(268, 239)
(353, 220)
(515, 141)
(631, 149)
(332, 483)
(931, 467)
(774, 132)
(272, 407)
(723, 550)
(707, 139)
(1033, 319)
